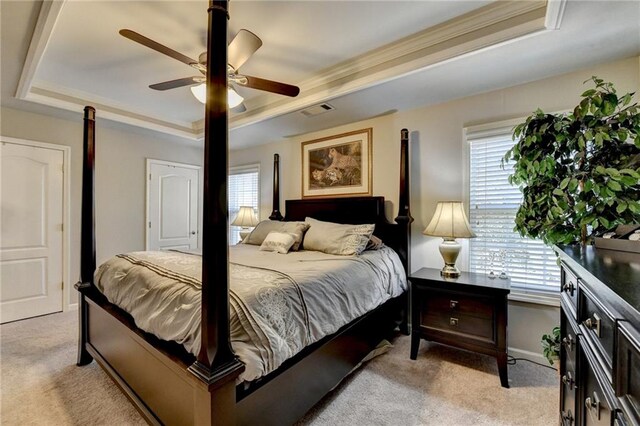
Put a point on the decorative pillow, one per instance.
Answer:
(260, 232)
(374, 243)
(334, 238)
(280, 242)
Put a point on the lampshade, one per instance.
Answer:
(246, 217)
(449, 221)
(233, 98)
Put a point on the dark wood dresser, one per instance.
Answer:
(469, 312)
(600, 332)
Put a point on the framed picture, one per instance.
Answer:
(337, 166)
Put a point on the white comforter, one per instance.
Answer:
(279, 303)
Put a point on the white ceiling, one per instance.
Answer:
(83, 59)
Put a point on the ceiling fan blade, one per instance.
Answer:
(268, 85)
(244, 44)
(151, 44)
(172, 84)
(239, 108)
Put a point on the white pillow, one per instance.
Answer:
(280, 242)
(260, 232)
(334, 238)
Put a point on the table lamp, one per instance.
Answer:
(245, 218)
(449, 222)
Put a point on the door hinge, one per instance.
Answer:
(149, 176)
(62, 285)
(149, 225)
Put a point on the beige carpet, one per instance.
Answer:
(42, 386)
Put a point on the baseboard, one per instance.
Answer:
(532, 356)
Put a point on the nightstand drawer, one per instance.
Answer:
(468, 325)
(459, 304)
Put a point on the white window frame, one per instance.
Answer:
(488, 130)
(238, 170)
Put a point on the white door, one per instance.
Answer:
(31, 218)
(172, 211)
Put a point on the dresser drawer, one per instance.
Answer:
(598, 324)
(568, 395)
(569, 288)
(569, 341)
(627, 371)
(597, 406)
(460, 304)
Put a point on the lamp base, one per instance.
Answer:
(243, 233)
(449, 249)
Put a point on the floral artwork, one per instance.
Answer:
(338, 165)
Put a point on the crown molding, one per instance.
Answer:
(555, 13)
(49, 12)
(491, 25)
(74, 100)
(488, 26)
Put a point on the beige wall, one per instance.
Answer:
(438, 163)
(120, 177)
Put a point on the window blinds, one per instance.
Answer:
(244, 187)
(493, 203)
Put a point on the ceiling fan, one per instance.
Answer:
(244, 44)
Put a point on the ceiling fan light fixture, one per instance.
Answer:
(200, 93)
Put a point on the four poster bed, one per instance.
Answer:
(204, 382)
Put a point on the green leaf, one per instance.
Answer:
(559, 192)
(634, 206)
(621, 207)
(573, 184)
(587, 186)
(614, 186)
(564, 183)
(589, 92)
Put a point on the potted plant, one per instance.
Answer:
(579, 172)
(551, 346)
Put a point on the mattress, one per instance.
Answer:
(279, 303)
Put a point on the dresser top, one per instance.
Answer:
(617, 270)
(465, 278)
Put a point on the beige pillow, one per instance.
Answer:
(260, 232)
(279, 242)
(334, 238)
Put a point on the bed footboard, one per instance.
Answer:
(157, 382)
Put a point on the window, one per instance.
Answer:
(244, 190)
(493, 203)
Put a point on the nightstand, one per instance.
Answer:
(469, 312)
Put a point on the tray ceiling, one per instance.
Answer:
(348, 52)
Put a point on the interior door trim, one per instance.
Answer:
(67, 304)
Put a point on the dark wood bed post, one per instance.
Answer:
(275, 214)
(404, 214)
(88, 236)
(216, 365)
(404, 210)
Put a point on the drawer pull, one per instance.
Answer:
(453, 322)
(567, 417)
(568, 342)
(593, 324)
(568, 380)
(453, 304)
(593, 405)
(569, 287)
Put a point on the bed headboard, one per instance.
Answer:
(358, 210)
(354, 210)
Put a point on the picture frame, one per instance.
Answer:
(338, 166)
